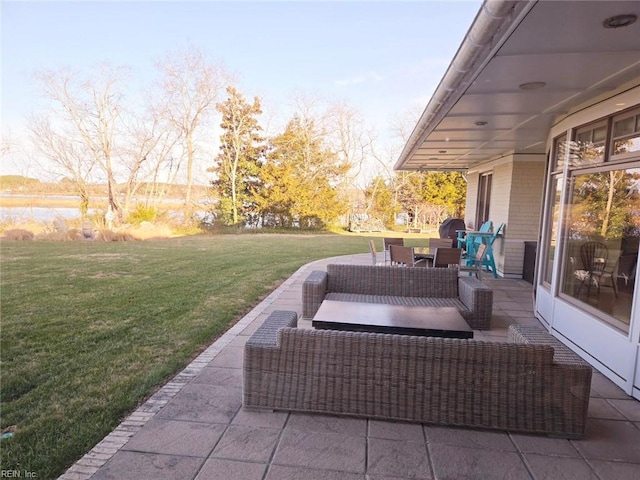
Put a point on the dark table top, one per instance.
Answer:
(398, 319)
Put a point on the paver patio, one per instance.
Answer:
(195, 426)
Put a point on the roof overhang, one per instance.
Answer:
(522, 67)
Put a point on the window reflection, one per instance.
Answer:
(626, 135)
(601, 248)
(560, 152)
(553, 230)
(590, 145)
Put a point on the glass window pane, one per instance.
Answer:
(624, 127)
(628, 145)
(552, 233)
(584, 137)
(600, 135)
(589, 146)
(484, 199)
(601, 246)
(626, 135)
(560, 149)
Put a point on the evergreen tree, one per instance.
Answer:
(380, 202)
(239, 161)
(431, 196)
(448, 189)
(300, 178)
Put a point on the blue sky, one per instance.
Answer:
(382, 58)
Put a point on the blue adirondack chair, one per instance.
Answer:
(462, 241)
(470, 244)
(489, 260)
(483, 236)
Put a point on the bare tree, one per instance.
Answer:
(7, 144)
(147, 152)
(191, 86)
(402, 124)
(352, 139)
(69, 156)
(14, 152)
(87, 133)
(85, 117)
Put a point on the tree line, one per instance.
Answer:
(93, 129)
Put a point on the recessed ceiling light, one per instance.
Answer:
(481, 123)
(620, 21)
(531, 85)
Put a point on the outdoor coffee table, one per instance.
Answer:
(398, 319)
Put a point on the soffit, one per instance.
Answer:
(563, 44)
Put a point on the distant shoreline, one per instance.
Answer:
(52, 201)
(62, 201)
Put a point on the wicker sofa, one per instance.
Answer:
(429, 287)
(516, 387)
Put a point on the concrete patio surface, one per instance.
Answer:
(195, 427)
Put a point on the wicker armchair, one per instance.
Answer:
(503, 386)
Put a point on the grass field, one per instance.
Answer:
(89, 330)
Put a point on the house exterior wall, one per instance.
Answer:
(516, 201)
(499, 210)
(525, 206)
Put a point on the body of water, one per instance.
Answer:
(39, 214)
(47, 214)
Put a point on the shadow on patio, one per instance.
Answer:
(195, 426)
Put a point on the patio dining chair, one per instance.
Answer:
(447, 257)
(374, 253)
(404, 256)
(386, 241)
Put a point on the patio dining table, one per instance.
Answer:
(423, 253)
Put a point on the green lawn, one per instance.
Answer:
(89, 330)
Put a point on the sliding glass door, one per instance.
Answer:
(601, 243)
(587, 274)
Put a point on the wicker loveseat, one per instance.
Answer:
(429, 287)
(504, 386)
